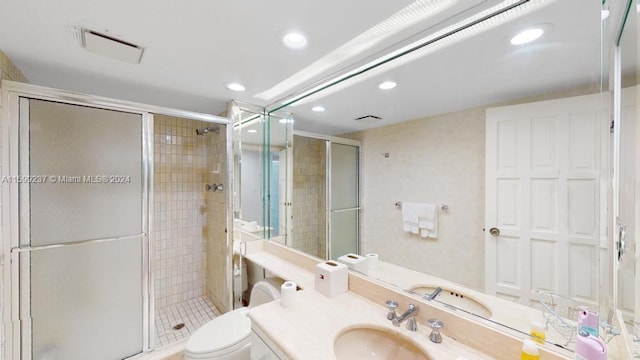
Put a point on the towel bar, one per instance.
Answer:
(443, 206)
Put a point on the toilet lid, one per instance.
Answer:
(220, 333)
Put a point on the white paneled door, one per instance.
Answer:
(544, 187)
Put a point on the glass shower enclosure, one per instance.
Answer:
(79, 223)
(82, 231)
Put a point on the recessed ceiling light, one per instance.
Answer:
(526, 36)
(253, 131)
(294, 40)
(235, 87)
(318, 108)
(386, 85)
(286, 121)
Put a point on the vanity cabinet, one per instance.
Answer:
(260, 350)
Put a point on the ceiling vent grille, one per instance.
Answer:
(112, 47)
(367, 119)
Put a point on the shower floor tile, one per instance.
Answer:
(192, 313)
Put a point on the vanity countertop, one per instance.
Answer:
(308, 329)
(312, 325)
(503, 311)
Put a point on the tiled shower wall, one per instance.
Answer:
(309, 195)
(179, 223)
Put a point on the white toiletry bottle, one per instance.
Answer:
(530, 350)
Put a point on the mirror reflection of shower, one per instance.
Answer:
(206, 130)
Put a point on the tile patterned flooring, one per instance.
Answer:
(192, 313)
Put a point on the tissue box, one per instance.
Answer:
(332, 278)
(355, 262)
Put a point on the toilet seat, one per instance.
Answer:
(228, 333)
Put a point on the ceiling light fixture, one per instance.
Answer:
(490, 18)
(419, 11)
(286, 121)
(253, 131)
(387, 85)
(526, 36)
(318, 108)
(294, 40)
(235, 86)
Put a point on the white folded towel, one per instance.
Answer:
(420, 218)
(410, 217)
(428, 220)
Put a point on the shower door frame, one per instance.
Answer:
(328, 139)
(12, 93)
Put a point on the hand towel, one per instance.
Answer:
(428, 220)
(410, 217)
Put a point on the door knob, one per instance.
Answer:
(494, 231)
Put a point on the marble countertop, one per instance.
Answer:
(309, 329)
(503, 311)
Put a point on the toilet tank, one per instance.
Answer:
(265, 291)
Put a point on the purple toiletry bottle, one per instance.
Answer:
(589, 347)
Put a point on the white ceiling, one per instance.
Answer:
(193, 48)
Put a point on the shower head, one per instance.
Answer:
(207, 130)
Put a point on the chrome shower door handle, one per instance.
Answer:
(622, 240)
(494, 231)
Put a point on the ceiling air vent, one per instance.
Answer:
(112, 47)
(367, 119)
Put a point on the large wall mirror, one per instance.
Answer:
(628, 217)
(262, 171)
(509, 141)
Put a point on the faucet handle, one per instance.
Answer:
(392, 305)
(412, 325)
(436, 325)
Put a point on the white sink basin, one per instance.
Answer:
(457, 299)
(376, 343)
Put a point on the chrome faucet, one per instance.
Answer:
(410, 316)
(392, 305)
(434, 294)
(436, 325)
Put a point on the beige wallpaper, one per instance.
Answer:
(438, 160)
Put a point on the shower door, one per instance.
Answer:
(344, 200)
(82, 232)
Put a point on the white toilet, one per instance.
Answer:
(227, 337)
